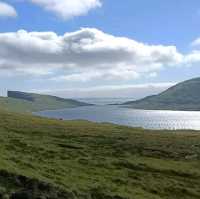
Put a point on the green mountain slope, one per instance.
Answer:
(183, 96)
(30, 102)
(50, 159)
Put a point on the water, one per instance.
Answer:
(125, 116)
(104, 101)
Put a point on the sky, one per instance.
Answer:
(98, 48)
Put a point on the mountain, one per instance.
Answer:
(183, 96)
(51, 159)
(30, 102)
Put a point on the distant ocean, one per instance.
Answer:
(104, 101)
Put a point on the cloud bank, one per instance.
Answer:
(7, 10)
(67, 9)
(86, 55)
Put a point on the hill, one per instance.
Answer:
(183, 96)
(31, 102)
(45, 158)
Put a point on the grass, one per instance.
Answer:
(30, 102)
(80, 159)
(183, 96)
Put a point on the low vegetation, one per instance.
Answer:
(45, 158)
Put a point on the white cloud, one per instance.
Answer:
(192, 58)
(84, 55)
(7, 10)
(67, 9)
(110, 74)
(196, 43)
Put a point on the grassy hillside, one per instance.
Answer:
(44, 158)
(30, 102)
(183, 96)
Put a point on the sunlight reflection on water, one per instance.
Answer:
(148, 119)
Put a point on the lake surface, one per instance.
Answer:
(125, 116)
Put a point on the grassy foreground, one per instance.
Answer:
(44, 158)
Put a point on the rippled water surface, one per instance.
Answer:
(131, 117)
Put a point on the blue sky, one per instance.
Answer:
(155, 22)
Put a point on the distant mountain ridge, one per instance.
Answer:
(183, 96)
(18, 101)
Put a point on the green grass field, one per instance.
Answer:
(44, 158)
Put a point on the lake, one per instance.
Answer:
(125, 116)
